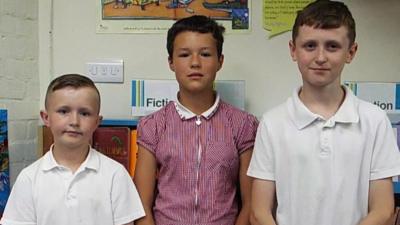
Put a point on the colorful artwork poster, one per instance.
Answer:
(4, 166)
(157, 16)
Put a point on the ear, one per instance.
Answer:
(352, 52)
(292, 48)
(171, 64)
(99, 119)
(221, 61)
(45, 117)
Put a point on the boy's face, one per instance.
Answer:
(321, 54)
(195, 61)
(72, 115)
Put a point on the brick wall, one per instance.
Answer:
(19, 79)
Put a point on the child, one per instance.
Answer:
(73, 183)
(200, 146)
(325, 156)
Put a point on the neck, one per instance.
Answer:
(197, 103)
(324, 102)
(70, 158)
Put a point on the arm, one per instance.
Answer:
(245, 188)
(262, 202)
(145, 180)
(380, 202)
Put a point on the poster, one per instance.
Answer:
(4, 162)
(157, 16)
(279, 15)
(385, 95)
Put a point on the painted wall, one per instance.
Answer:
(19, 79)
(263, 63)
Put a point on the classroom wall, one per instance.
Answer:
(19, 79)
(263, 63)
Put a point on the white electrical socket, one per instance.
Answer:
(106, 71)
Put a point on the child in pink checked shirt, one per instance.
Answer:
(200, 146)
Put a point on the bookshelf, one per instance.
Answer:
(119, 122)
(115, 138)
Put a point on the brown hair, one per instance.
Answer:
(325, 14)
(70, 80)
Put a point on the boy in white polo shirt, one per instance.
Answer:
(324, 156)
(73, 183)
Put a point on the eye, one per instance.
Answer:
(183, 55)
(62, 111)
(206, 54)
(85, 113)
(332, 46)
(309, 46)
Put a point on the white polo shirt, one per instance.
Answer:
(100, 192)
(322, 168)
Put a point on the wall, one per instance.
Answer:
(263, 63)
(19, 79)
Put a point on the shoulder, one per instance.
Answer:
(158, 117)
(107, 163)
(31, 170)
(29, 174)
(235, 113)
(369, 111)
(277, 113)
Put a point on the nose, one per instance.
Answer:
(74, 120)
(321, 56)
(195, 62)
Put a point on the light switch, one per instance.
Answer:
(107, 71)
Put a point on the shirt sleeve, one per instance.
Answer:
(148, 129)
(20, 208)
(126, 203)
(262, 161)
(386, 156)
(247, 133)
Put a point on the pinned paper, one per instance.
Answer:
(279, 15)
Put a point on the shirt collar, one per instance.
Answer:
(302, 116)
(91, 161)
(185, 113)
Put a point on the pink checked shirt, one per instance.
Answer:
(198, 161)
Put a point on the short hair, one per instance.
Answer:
(196, 23)
(75, 81)
(325, 14)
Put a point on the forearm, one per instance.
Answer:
(145, 180)
(147, 220)
(245, 189)
(244, 216)
(380, 202)
(263, 203)
(376, 218)
(259, 217)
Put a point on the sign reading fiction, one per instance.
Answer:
(384, 95)
(150, 95)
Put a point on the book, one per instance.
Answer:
(47, 139)
(114, 142)
(4, 162)
(134, 150)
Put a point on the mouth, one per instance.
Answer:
(320, 69)
(73, 133)
(195, 75)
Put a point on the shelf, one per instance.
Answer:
(119, 122)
